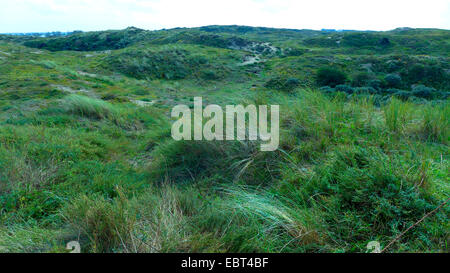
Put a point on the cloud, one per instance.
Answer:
(51, 15)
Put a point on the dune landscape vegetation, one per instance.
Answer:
(86, 152)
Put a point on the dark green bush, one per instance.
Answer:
(360, 40)
(294, 52)
(390, 91)
(329, 76)
(210, 75)
(393, 80)
(326, 89)
(431, 75)
(360, 79)
(422, 91)
(403, 95)
(375, 83)
(385, 42)
(283, 84)
(366, 90)
(345, 88)
(90, 41)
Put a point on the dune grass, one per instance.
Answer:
(89, 107)
(99, 169)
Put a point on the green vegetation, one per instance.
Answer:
(328, 76)
(86, 152)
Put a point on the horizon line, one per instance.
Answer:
(173, 28)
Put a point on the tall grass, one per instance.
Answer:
(276, 215)
(89, 107)
(107, 224)
(436, 123)
(338, 181)
(397, 115)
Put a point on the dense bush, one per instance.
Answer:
(375, 83)
(403, 95)
(360, 40)
(90, 41)
(393, 80)
(360, 79)
(282, 83)
(366, 90)
(422, 91)
(328, 76)
(294, 52)
(432, 75)
(345, 88)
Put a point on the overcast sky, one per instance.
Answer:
(68, 15)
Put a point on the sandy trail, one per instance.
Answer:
(251, 60)
(143, 103)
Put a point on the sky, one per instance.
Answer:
(88, 15)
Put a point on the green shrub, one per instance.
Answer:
(345, 88)
(393, 80)
(430, 75)
(422, 91)
(283, 84)
(360, 79)
(366, 90)
(90, 41)
(367, 195)
(375, 83)
(361, 40)
(403, 95)
(294, 52)
(329, 76)
(210, 75)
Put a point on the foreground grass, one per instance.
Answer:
(109, 175)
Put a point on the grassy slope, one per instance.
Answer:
(80, 159)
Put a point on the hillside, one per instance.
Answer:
(86, 152)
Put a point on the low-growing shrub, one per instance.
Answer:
(375, 83)
(360, 79)
(366, 90)
(393, 80)
(283, 84)
(329, 76)
(366, 194)
(422, 91)
(345, 88)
